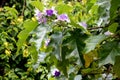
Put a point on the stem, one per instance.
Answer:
(24, 6)
(95, 28)
(107, 25)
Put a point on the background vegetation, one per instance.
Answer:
(86, 48)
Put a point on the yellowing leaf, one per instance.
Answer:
(90, 57)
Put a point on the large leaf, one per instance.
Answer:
(67, 49)
(40, 33)
(56, 42)
(92, 42)
(39, 36)
(76, 44)
(29, 25)
(108, 52)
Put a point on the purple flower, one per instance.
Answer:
(40, 16)
(63, 17)
(56, 73)
(42, 20)
(47, 42)
(83, 24)
(108, 33)
(49, 12)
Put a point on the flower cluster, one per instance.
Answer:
(42, 16)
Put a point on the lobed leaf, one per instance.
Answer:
(108, 52)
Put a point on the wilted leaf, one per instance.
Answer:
(90, 57)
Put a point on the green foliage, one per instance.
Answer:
(116, 67)
(29, 25)
(113, 27)
(92, 42)
(37, 4)
(65, 8)
(114, 7)
(110, 52)
(29, 49)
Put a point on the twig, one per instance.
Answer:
(24, 6)
(95, 28)
(107, 25)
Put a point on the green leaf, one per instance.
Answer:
(63, 8)
(76, 46)
(29, 25)
(37, 4)
(59, 56)
(34, 53)
(113, 27)
(65, 47)
(108, 52)
(40, 33)
(113, 9)
(116, 67)
(92, 42)
(57, 44)
(94, 9)
(11, 11)
(52, 78)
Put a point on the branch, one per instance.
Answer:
(95, 28)
(107, 25)
(24, 6)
